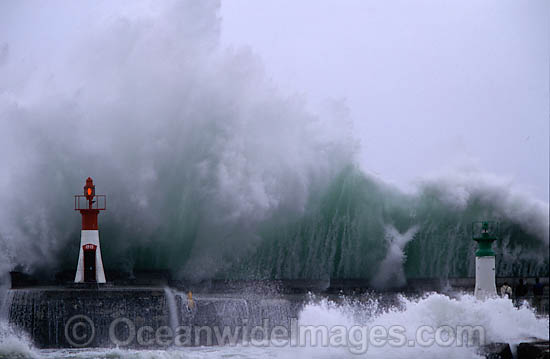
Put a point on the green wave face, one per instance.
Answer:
(344, 235)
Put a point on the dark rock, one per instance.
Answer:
(496, 351)
(535, 350)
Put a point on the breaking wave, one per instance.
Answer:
(211, 171)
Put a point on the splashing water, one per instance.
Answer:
(14, 345)
(498, 318)
(172, 308)
(390, 272)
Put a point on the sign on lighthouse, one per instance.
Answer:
(90, 265)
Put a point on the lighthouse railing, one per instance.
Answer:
(482, 229)
(81, 202)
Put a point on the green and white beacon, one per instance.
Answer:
(485, 233)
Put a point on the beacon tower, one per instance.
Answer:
(485, 233)
(90, 264)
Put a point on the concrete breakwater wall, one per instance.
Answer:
(134, 317)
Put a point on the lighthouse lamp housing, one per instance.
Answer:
(485, 233)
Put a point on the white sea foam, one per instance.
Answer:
(499, 318)
(14, 345)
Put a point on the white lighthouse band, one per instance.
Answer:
(485, 278)
(87, 238)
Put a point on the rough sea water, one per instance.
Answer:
(211, 172)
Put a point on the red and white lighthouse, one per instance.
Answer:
(90, 264)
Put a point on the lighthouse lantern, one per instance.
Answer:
(89, 189)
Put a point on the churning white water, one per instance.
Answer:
(499, 320)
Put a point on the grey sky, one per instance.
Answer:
(431, 85)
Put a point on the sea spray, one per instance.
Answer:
(193, 145)
(6, 297)
(390, 273)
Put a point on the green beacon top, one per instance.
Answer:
(485, 233)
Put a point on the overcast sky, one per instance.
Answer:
(431, 85)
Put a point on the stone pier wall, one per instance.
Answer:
(63, 318)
